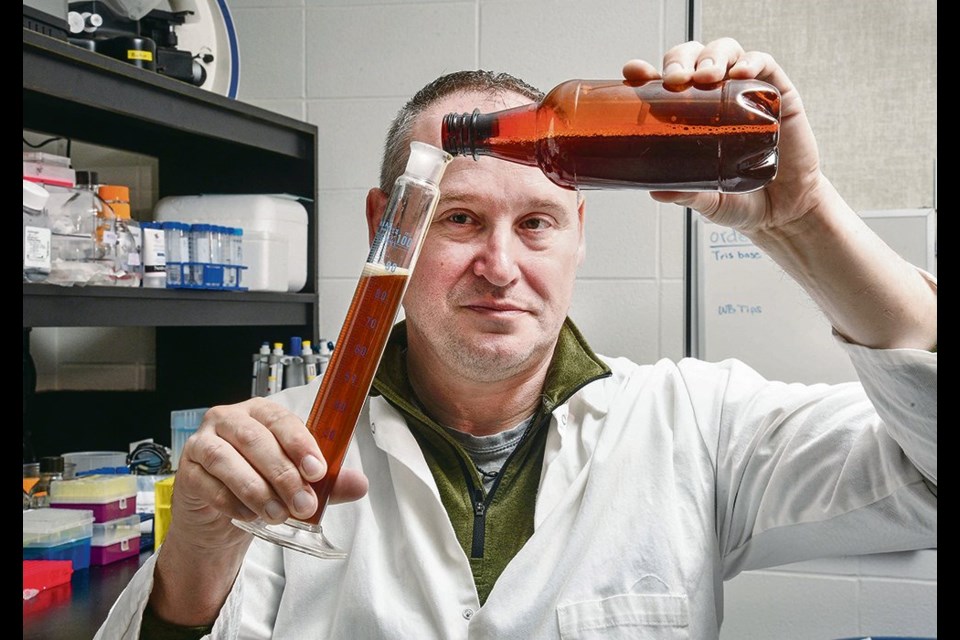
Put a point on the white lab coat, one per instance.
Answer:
(658, 483)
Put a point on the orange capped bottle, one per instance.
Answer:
(611, 134)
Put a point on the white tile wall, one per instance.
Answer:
(768, 606)
(385, 50)
(618, 316)
(897, 607)
(271, 52)
(351, 141)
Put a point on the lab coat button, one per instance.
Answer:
(373, 427)
(467, 614)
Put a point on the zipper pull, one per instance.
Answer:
(479, 524)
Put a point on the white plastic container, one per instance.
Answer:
(86, 462)
(274, 233)
(265, 255)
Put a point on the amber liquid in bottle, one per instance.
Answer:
(611, 134)
(352, 367)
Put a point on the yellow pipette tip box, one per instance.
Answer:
(163, 497)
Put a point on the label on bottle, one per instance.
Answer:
(36, 249)
(154, 251)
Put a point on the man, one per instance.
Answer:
(521, 486)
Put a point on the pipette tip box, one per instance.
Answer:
(58, 534)
(115, 540)
(109, 497)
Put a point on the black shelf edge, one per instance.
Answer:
(46, 305)
(57, 72)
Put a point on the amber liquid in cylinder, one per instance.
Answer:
(352, 367)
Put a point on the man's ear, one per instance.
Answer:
(376, 205)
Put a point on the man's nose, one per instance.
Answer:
(496, 258)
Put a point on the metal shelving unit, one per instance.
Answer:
(203, 143)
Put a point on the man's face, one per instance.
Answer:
(495, 276)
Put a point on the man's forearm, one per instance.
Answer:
(869, 293)
(190, 584)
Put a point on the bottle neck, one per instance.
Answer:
(510, 134)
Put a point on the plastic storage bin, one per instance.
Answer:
(97, 462)
(58, 534)
(265, 254)
(115, 540)
(274, 233)
(109, 497)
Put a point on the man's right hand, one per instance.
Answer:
(247, 460)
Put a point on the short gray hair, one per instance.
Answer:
(397, 147)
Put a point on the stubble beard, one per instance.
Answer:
(495, 357)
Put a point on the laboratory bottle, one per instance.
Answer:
(135, 257)
(612, 134)
(78, 254)
(36, 233)
(154, 253)
(119, 245)
(261, 369)
(73, 224)
(51, 470)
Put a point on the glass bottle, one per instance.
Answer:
(593, 134)
(117, 235)
(74, 225)
(51, 470)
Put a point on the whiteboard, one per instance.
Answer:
(742, 305)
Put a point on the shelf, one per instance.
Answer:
(47, 305)
(106, 97)
(203, 143)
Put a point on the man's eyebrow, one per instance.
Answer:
(532, 204)
(454, 196)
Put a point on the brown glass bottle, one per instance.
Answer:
(610, 134)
